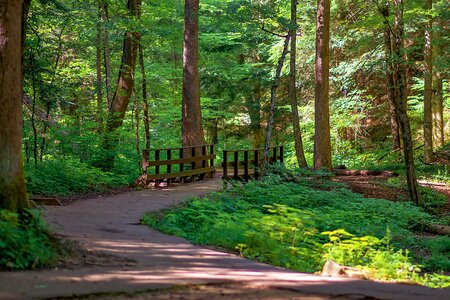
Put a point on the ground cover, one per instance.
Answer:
(298, 222)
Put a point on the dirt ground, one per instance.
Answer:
(114, 257)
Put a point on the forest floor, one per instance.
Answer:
(114, 257)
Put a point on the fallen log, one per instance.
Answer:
(437, 229)
(340, 172)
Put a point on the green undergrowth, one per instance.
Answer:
(25, 242)
(68, 177)
(298, 222)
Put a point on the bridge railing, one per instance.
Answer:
(245, 164)
(178, 164)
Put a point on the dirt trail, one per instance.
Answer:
(141, 263)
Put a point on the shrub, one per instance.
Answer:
(24, 241)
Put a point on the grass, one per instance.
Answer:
(300, 222)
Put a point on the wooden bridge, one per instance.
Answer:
(189, 164)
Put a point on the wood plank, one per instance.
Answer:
(180, 174)
(184, 160)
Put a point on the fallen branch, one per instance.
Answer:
(340, 172)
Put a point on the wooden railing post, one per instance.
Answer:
(193, 155)
(156, 159)
(236, 165)
(246, 177)
(211, 151)
(282, 154)
(169, 157)
(256, 157)
(181, 156)
(225, 165)
(203, 154)
(274, 154)
(144, 161)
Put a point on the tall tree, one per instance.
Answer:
(322, 142)
(98, 46)
(192, 129)
(106, 52)
(299, 152)
(144, 98)
(395, 131)
(438, 95)
(401, 105)
(125, 84)
(273, 94)
(428, 89)
(13, 194)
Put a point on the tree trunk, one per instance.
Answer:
(438, 111)
(299, 152)
(13, 194)
(124, 89)
(273, 94)
(395, 132)
(106, 52)
(322, 142)
(428, 89)
(144, 98)
(401, 102)
(192, 129)
(438, 98)
(98, 44)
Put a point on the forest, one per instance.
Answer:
(357, 88)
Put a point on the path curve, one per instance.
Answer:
(111, 225)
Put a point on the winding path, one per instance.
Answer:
(153, 260)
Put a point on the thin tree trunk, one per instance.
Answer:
(438, 111)
(136, 132)
(322, 140)
(299, 151)
(395, 131)
(144, 98)
(401, 102)
(438, 98)
(13, 194)
(98, 43)
(124, 89)
(33, 111)
(192, 129)
(273, 95)
(428, 89)
(106, 52)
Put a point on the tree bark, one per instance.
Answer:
(322, 142)
(401, 102)
(192, 129)
(273, 95)
(144, 98)
(438, 111)
(428, 89)
(299, 151)
(98, 44)
(395, 131)
(124, 89)
(438, 98)
(13, 194)
(106, 53)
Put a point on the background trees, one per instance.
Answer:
(74, 51)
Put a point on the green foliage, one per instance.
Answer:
(66, 177)
(281, 222)
(24, 241)
(377, 256)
